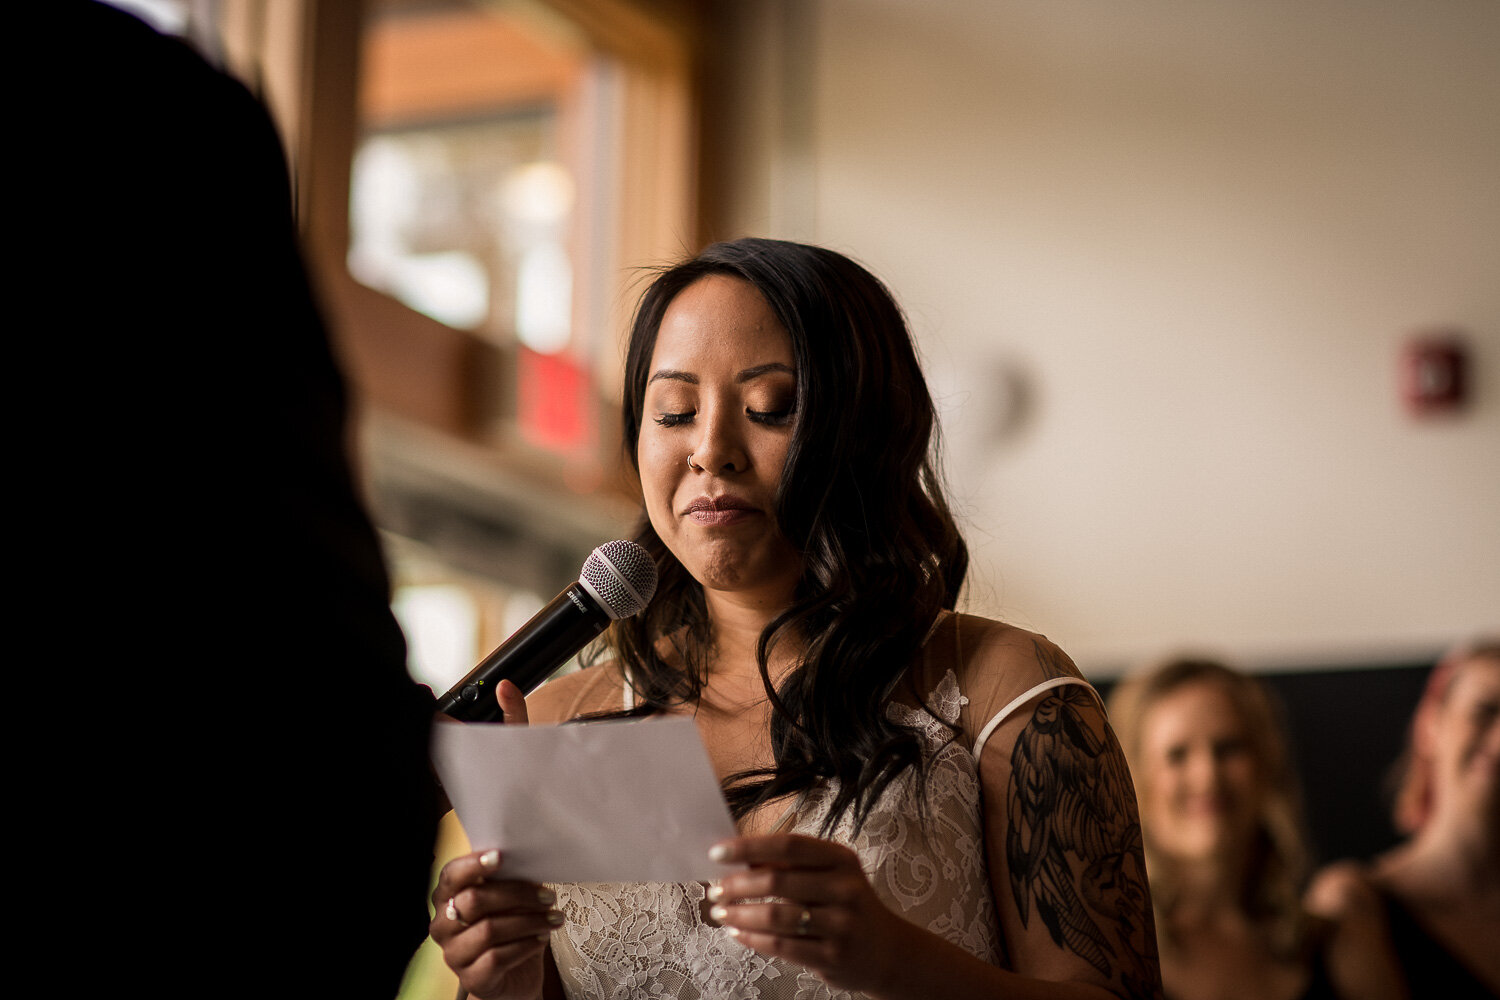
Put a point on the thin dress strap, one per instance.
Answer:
(1021, 699)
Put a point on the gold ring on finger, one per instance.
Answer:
(803, 922)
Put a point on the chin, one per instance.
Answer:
(722, 566)
(728, 566)
(1214, 844)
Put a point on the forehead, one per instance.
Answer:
(720, 319)
(1199, 708)
(1478, 679)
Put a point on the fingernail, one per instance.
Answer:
(556, 918)
(718, 912)
(489, 860)
(546, 896)
(715, 893)
(734, 932)
(719, 852)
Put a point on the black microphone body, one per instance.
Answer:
(617, 581)
(568, 623)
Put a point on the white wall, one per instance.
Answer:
(1161, 258)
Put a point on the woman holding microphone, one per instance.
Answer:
(929, 804)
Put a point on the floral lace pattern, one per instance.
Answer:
(650, 939)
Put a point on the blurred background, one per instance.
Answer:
(1209, 295)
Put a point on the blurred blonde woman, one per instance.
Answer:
(1438, 892)
(1226, 850)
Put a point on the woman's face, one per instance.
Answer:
(1465, 738)
(1201, 786)
(721, 389)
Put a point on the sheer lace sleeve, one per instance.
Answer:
(1063, 839)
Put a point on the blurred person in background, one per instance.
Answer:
(1226, 850)
(1438, 892)
(930, 804)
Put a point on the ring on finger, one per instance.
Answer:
(451, 911)
(804, 920)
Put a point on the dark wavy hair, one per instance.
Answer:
(859, 499)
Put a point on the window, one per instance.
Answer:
(476, 183)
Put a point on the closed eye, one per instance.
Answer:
(674, 419)
(775, 418)
(1230, 748)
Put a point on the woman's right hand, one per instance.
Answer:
(494, 931)
(1358, 953)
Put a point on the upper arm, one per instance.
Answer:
(1063, 840)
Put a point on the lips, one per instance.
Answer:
(1208, 805)
(726, 509)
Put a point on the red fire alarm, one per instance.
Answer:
(1434, 374)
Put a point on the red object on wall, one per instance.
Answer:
(1434, 374)
(554, 408)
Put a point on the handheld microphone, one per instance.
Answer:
(618, 580)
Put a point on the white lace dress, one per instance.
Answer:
(650, 939)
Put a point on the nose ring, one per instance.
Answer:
(697, 468)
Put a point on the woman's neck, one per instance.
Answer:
(737, 623)
(1207, 891)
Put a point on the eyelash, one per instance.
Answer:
(772, 418)
(775, 418)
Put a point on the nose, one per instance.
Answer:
(1202, 771)
(719, 448)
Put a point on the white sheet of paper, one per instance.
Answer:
(618, 801)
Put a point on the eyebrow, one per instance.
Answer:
(747, 375)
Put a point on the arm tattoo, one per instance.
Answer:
(1065, 789)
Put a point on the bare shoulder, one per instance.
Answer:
(593, 689)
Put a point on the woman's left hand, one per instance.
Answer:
(824, 914)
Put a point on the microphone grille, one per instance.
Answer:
(622, 576)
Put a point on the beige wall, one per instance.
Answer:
(1161, 258)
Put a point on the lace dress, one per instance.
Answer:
(650, 939)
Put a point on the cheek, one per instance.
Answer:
(777, 452)
(1157, 800)
(1161, 816)
(1241, 773)
(659, 476)
(1464, 742)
